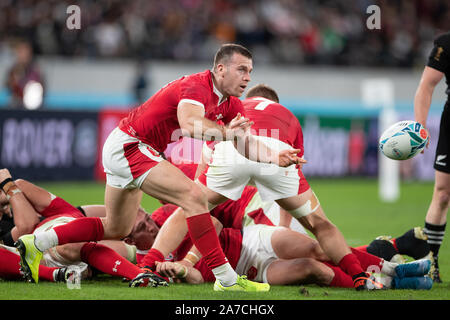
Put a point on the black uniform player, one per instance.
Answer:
(435, 220)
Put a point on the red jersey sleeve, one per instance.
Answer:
(194, 91)
(235, 107)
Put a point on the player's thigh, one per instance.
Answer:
(289, 244)
(298, 271)
(121, 210)
(70, 252)
(168, 183)
(214, 198)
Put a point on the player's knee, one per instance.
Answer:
(317, 252)
(27, 227)
(195, 200)
(443, 196)
(116, 232)
(69, 252)
(305, 269)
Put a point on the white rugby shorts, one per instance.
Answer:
(256, 252)
(127, 161)
(229, 172)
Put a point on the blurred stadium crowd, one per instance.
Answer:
(277, 31)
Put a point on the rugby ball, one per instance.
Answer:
(403, 140)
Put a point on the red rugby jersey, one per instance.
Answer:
(274, 120)
(155, 122)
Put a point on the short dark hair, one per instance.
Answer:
(263, 90)
(227, 50)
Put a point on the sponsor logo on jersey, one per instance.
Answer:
(439, 159)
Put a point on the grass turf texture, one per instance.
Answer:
(352, 204)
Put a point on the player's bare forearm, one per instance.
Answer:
(422, 100)
(193, 123)
(256, 150)
(203, 129)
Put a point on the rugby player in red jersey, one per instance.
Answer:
(279, 256)
(274, 254)
(227, 173)
(36, 210)
(133, 162)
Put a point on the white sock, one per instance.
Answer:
(385, 280)
(225, 274)
(46, 240)
(55, 273)
(388, 268)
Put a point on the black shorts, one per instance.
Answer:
(442, 158)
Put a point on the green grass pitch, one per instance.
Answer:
(352, 204)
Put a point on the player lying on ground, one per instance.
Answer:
(279, 255)
(133, 162)
(29, 202)
(227, 174)
(145, 230)
(261, 254)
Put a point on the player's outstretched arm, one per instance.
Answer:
(256, 150)
(422, 100)
(193, 123)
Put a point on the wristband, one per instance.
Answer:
(5, 182)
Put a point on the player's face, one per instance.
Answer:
(144, 231)
(236, 75)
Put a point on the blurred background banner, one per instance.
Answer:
(49, 145)
(73, 70)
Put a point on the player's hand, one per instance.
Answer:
(4, 206)
(290, 157)
(170, 269)
(239, 127)
(429, 141)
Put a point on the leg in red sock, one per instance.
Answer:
(341, 279)
(108, 261)
(368, 261)
(351, 265)
(150, 258)
(204, 236)
(10, 267)
(80, 230)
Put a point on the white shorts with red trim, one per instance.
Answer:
(270, 210)
(229, 172)
(127, 161)
(257, 252)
